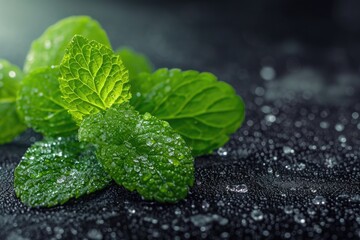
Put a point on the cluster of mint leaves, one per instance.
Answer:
(107, 116)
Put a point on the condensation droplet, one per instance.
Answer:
(12, 74)
(222, 152)
(299, 218)
(61, 179)
(339, 127)
(257, 215)
(319, 200)
(270, 118)
(288, 150)
(242, 188)
(267, 73)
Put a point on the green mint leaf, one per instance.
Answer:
(134, 62)
(92, 78)
(50, 47)
(141, 152)
(10, 123)
(53, 171)
(41, 105)
(203, 110)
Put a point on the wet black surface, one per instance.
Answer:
(290, 172)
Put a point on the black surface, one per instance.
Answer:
(297, 153)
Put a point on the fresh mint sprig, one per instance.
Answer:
(146, 144)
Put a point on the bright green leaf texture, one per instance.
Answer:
(41, 105)
(141, 152)
(50, 47)
(55, 170)
(203, 110)
(134, 62)
(10, 123)
(92, 78)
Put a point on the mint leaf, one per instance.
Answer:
(55, 170)
(10, 123)
(134, 62)
(203, 110)
(41, 104)
(141, 152)
(50, 47)
(92, 78)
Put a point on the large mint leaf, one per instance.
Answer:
(92, 78)
(55, 170)
(50, 47)
(134, 62)
(10, 123)
(202, 109)
(41, 105)
(141, 152)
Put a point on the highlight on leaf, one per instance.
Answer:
(92, 78)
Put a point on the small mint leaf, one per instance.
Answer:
(41, 105)
(55, 170)
(203, 110)
(92, 78)
(50, 47)
(141, 152)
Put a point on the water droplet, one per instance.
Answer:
(177, 211)
(288, 150)
(330, 162)
(222, 152)
(267, 73)
(61, 179)
(339, 127)
(131, 210)
(150, 142)
(146, 116)
(95, 234)
(299, 218)
(12, 74)
(319, 200)
(220, 203)
(270, 118)
(242, 188)
(288, 209)
(324, 125)
(342, 139)
(257, 215)
(355, 115)
(205, 205)
(259, 91)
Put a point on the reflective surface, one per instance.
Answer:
(290, 172)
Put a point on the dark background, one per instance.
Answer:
(295, 63)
